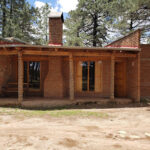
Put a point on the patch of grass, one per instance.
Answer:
(52, 113)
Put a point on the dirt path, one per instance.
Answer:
(125, 129)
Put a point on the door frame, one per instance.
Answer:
(124, 78)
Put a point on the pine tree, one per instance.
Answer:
(92, 16)
(128, 15)
(17, 18)
(43, 24)
(73, 37)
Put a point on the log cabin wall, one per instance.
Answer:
(145, 70)
(53, 83)
(65, 72)
(44, 72)
(5, 70)
(14, 73)
(133, 76)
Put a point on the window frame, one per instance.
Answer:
(98, 74)
(88, 76)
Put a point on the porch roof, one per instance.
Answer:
(69, 48)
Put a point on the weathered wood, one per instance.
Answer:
(98, 76)
(35, 58)
(5, 52)
(45, 53)
(138, 77)
(103, 54)
(120, 79)
(62, 53)
(112, 73)
(71, 77)
(78, 76)
(20, 78)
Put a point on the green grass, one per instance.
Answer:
(52, 113)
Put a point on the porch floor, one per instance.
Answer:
(41, 102)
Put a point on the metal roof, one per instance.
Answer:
(73, 48)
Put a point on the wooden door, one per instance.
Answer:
(120, 79)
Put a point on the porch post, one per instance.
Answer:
(20, 78)
(71, 77)
(112, 73)
(138, 78)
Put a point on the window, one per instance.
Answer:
(88, 76)
(32, 74)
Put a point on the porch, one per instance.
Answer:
(38, 102)
(115, 76)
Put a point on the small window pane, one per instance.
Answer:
(91, 76)
(84, 76)
(34, 75)
(25, 72)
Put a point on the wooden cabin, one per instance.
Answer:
(119, 70)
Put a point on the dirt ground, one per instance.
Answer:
(123, 129)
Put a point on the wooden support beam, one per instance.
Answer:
(112, 75)
(45, 53)
(103, 54)
(35, 58)
(125, 55)
(81, 54)
(20, 78)
(71, 77)
(138, 77)
(6, 52)
(91, 54)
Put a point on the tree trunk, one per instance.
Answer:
(131, 25)
(4, 18)
(10, 18)
(95, 30)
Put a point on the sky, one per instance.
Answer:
(57, 5)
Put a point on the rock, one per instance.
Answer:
(134, 137)
(122, 132)
(147, 135)
(109, 135)
(122, 136)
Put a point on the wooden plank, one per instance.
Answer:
(12, 52)
(35, 58)
(79, 76)
(139, 77)
(98, 76)
(112, 77)
(120, 79)
(62, 53)
(91, 54)
(71, 77)
(20, 78)
(125, 55)
(45, 53)
(103, 54)
(91, 58)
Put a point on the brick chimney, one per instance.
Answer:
(55, 28)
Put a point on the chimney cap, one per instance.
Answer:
(56, 15)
